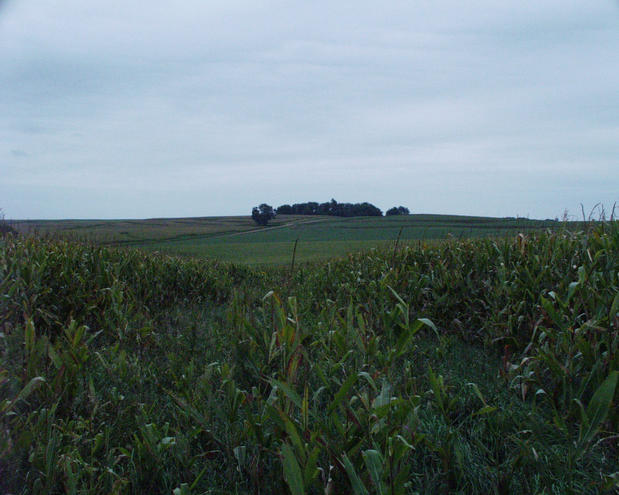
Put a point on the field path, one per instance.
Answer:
(289, 224)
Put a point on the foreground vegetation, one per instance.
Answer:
(468, 366)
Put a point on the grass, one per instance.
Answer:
(474, 366)
(322, 238)
(137, 231)
(238, 239)
(267, 253)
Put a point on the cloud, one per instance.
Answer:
(485, 108)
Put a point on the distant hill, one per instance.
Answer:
(239, 239)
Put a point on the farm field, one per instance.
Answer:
(481, 365)
(238, 239)
(135, 231)
(281, 341)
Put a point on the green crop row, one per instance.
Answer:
(55, 282)
(461, 367)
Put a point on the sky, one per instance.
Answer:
(116, 109)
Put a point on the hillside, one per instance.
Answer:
(239, 239)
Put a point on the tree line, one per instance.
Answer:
(397, 210)
(263, 213)
(332, 208)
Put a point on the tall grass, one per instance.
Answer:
(469, 366)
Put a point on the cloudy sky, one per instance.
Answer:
(116, 109)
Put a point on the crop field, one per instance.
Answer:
(486, 364)
(136, 231)
(238, 239)
(322, 238)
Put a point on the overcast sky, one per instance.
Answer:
(116, 109)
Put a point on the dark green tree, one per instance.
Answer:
(332, 208)
(284, 210)
(397, 210)
(262, 214)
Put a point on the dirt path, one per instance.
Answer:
(289, 224)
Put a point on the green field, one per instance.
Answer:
(136, 231)
(238, 239)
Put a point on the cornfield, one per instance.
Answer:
(470, 366)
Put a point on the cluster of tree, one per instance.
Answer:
(397, 210)
(262, 214)
(332, 208)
